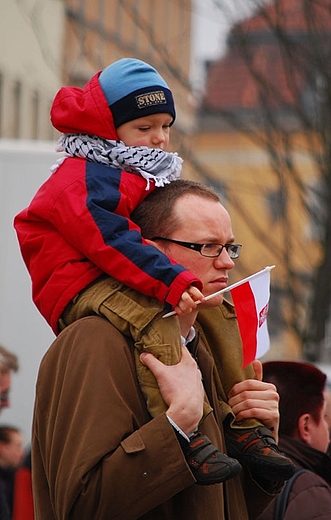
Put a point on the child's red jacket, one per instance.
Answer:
(78, 225)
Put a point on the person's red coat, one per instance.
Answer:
(23, 500)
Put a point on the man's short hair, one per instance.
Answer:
(301, 389)
(8, 361)
(155, 214)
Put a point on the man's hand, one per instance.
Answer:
(181, 388)
(188, 301)
(254, 398)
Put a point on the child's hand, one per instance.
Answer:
(189, 300)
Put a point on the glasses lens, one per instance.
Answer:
(234, 251)
(214, 250)
(211, 250)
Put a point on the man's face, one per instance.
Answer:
(11, 453)
(202, 221)
(319, 433)
(327, 396)
(5, 381)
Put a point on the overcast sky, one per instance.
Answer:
(212, 21)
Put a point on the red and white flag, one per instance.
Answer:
(251, 301)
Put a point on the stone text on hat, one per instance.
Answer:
(151, 98)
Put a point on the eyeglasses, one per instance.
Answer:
(209, 250)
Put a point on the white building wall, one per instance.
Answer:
(24, 165)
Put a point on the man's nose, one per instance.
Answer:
(223, 261)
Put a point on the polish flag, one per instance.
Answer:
(251, 301)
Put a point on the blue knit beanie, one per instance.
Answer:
(134, 89)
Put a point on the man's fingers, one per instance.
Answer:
(153, 363)
(150, 361)
(258, 369)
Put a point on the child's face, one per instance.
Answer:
(152, 131)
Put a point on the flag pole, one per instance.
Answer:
(229, 288)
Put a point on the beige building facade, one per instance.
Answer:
(31, 35)
(50, 43)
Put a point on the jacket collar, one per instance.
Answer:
(307, 457)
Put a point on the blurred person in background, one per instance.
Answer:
(23, 499)
(328, 416)
(8, 364)
(303, 436)
(11, 454)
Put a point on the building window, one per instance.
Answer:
(35, 114)
(17, 101)
(276, 205)
(316, 205)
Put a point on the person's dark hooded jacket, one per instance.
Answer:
(310, 497)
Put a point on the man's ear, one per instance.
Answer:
(150, 242)
(304, 425)
(157, 244)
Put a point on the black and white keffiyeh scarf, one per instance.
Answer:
(151, 163)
